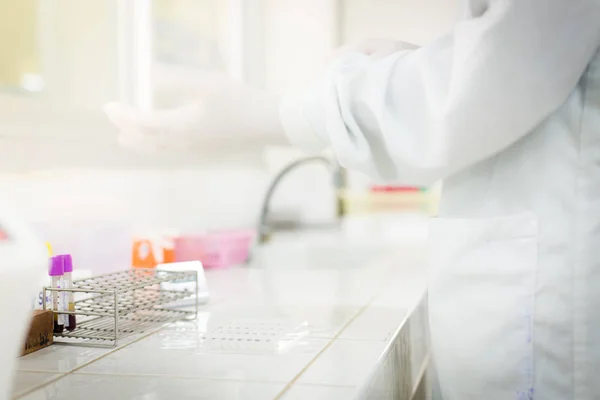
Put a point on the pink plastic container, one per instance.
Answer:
(218, 249)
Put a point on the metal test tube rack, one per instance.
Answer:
(113, 306)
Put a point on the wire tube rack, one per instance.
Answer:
(113, 306)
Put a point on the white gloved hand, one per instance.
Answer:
(375, 48)
(223, 109)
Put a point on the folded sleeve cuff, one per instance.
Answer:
(296, 126)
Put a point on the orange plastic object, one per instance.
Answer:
(142, 254)
(147, 253)
(168, 256)
(168, 249)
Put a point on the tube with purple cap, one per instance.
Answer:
(68, 284)
(56, 271)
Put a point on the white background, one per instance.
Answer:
(217, 188)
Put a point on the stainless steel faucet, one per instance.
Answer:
(339, 182)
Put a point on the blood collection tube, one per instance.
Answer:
(70, 296)
(56, 271)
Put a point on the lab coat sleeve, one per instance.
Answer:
(419, 116)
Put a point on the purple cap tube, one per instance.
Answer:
(57, 270)
(68, 262)
(71, 322)
(56, 267)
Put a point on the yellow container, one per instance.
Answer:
(424, 202)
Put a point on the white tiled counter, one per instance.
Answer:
(321, 328)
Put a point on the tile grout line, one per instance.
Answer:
(397, 332)
(61, 375)
(64, 374)
(421, 376)
(327, 385)
(206, 378)
(291, 383)
(39, 386)
(183, 377)
(329, 344)
(190, 377)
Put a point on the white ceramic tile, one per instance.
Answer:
(344, 363)
(225, 283)
(287, 287)
(418, 335)
(257, 284)
(314, 392)
(326, 251)
(182, 352)
(375, 323)
(323, 322)
(405, 290)
(60, 358)
(24, 382)
(100, 387)
(65, 357)
(386, 381)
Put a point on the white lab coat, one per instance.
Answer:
(506, 110)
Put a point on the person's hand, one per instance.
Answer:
(155, 130)
(375, 48)
(221, 108)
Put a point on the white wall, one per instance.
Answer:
(415, 21)
(300, 36)
(78, 48)
(94, 213)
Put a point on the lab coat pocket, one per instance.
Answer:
(481, 303)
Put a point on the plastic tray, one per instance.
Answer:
(219, 249)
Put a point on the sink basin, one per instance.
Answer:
(314, 253)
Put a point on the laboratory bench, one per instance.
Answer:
(321, 318)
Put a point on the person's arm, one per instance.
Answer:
(422, 115)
